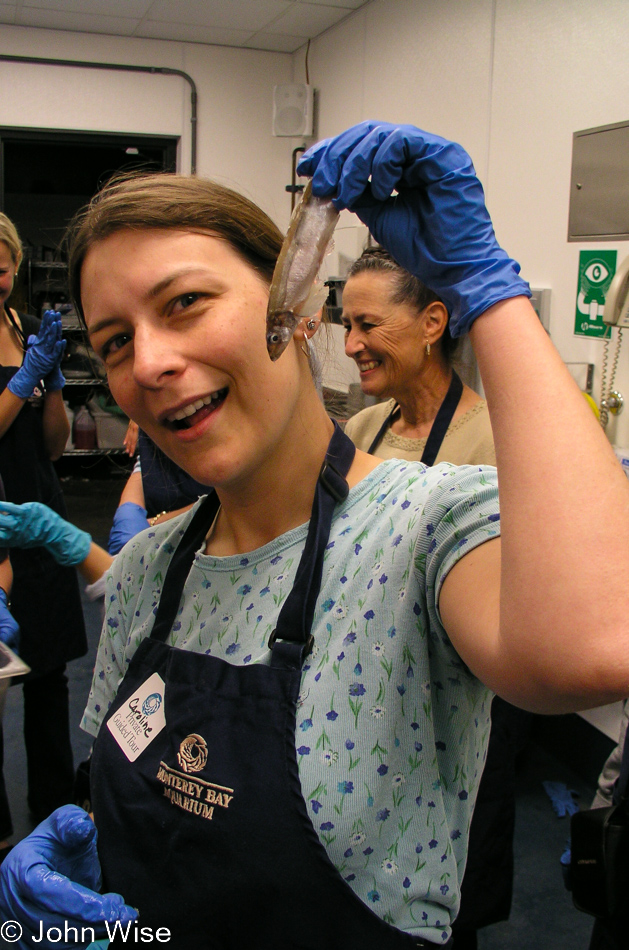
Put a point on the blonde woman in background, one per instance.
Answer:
(45, 597)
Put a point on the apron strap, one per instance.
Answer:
(180, 565)
(442, 420)
(383, 428)
(295, 619)
(439, 427)
(621, 792)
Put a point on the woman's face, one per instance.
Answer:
(179, 320)
(386, 340)
(7, 273)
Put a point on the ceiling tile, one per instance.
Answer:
(77, 22)
(277, 42)
(250, 15)
(280, 25)
(308, 19)
(191, 33)
(7, 13)
(113, 9)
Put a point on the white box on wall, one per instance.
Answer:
(293, 109)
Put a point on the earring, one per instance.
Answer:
(306, 351)
(428, 349)
(311, 324)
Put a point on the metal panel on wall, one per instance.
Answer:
(599, 186)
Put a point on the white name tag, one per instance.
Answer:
(140, 719)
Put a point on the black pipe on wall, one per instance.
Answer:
(160, 70)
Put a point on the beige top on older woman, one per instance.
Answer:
(468, 441)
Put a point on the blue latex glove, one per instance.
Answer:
(9, 627)
(129, 520)
(42, 357)
(55, 380)
(437, 226)
(561, 798)
(565, 861)
(33, 525)
(53, 877)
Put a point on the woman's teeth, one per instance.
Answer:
(183, 415)
(365, 367)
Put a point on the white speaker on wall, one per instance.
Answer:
(293, 110)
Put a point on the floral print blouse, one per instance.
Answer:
(392, 727)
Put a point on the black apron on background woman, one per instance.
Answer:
(195, 786)
(439, 426)
(46, 602)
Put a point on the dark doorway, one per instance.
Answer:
(46, 176)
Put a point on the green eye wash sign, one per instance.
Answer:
(596, 270)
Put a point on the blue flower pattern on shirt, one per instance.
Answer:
(391, 726)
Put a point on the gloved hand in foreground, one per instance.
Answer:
(129, 520)
(52, 877)
(42, 357)
(9, 627)
(436, 226)
(33, 525)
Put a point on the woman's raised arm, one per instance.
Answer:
(542, 616)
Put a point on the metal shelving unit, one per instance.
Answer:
(47, 285)
(120, 451)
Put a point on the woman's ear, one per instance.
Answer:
(308, 326)
(435, 321)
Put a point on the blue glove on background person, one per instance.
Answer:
(52, 877)
(436, 226)
(42, 357)
(9, 627)
(129, 520)
(55, 379)
(562, 798)
(34, 525)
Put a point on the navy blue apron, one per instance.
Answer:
(439, 426)
(207, 832)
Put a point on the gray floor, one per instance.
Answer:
(542, 917)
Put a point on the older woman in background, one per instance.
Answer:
(397, 333)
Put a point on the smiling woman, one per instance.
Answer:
(324, 628)
(396, 330)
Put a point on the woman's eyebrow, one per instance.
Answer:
(101, 325)
(155, 291)
(162, 285)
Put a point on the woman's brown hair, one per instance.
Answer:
(172, 202)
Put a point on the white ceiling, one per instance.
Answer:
(279, 25)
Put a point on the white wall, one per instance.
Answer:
(235, 88)
(511, 80)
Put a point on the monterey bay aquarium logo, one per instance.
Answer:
(196, 796)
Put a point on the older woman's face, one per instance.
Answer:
(385, 339)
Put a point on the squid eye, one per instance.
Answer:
(597, 272)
